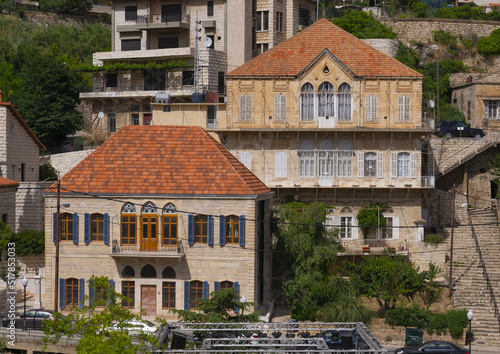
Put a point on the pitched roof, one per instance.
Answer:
(5, 182)
(161, 160)
(23, 124)
(292, 56)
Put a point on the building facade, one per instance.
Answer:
(202, 39)
(324, 116)
(168, 215)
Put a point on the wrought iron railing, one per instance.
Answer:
(162, 18)
(148, 248)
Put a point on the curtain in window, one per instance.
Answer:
(344, 102)
(326, 100)
(307, 102)
(403, 164)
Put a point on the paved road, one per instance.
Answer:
(475, 349)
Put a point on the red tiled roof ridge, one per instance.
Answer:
(292, 56)
(5, 182)
(161, 160)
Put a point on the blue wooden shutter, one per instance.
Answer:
(62, 301)
(210, 230)
(186, 295)
(236, 286)
(106, 229)
(190, 229)
(86, 231)
(110, 290)
(242, 230)
(222, 236)
(216, 286)
(205, 290)
(91, 292)
(75, 228)
(54, 227)
(81, 292)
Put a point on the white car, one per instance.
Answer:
(135, 328)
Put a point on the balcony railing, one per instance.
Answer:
(149, 249)
(162, 18)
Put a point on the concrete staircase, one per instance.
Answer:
(476, 273)
(451, 153)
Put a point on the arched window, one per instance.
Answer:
(346, 221)
(344, 102)
(307, 166)
(149, 229)
(66, 227)
(326, 100)
(97, 227)
(148, 271)
(128, 272)
(71, 292)
(307, 102)
(232, 229)
(168, 272)
(129, 225)
(403, 164)
(325, 159)
(169, 222)
(195, 293)
(344, 159)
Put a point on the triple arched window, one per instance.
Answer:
(326, 102)
(326, 161)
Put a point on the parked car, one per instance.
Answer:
(34, 319)
(135, 328)
(455, 128)
(67, 145)
(433, 347)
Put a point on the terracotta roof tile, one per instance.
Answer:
(291, 57)
(161, 160)
(5, 182)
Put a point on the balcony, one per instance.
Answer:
(143, 55)
(155, 21)
(146, 249)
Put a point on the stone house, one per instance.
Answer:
(19, 162)
(324, 116)
(167, 214)
(206, 38)
(478, 98)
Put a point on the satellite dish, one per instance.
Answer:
(100, 115)
(207, 42)
(430, 104)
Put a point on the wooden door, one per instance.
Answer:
(148, 299)
(149, 233)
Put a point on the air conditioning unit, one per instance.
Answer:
(162, 97)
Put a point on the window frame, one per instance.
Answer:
(344, 103)
(130, 12)
(200, 230)
(371, 102)
(280, 108)
(210, 8)
(232, 229)
(370, 164)
(128, 211)
(326, 100)
(97, 233)
(403, 164)
(128, 288)
(279, 21)
(169, 238)
(404, 108)
(168, 295)
(307, 99)
(344, 163)
(66, 220)
(492, 106)
(71, 289)
(246, 108)
(195, 293)
(346, 224)
(112, 122)
(262, 24)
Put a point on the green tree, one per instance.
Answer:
(222, 306)
(29, 242)
(93, 325)
(363, 25)
(65, 5)
(48, 97)
(385, 278)
(430, 292)
(370, 217)
(407, 56)
(47, 172)
(451, 112)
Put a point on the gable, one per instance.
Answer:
(327, 68)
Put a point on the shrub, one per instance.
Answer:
(47, 172)
(457, 321)
(434, 238)
(445, 38)
(413, 316)
(438, 323)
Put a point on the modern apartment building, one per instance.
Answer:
(205, 39)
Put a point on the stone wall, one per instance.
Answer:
(29, 205)
(386, 46)
(420, 30)
(66, 161)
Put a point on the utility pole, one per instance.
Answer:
(58, 239)
(451, 243)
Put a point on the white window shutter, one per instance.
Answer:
(280, 164)
(380, 165)
(361, 164)
(336, 224)
(355, 228)
(245, 158)
(413, 165)
(395, 228)
(394, 165)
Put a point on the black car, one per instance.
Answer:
(433, 347)
(34, 319)
(455, 128)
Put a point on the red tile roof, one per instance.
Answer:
(161, 160)
(23, 124)
(291, 57)
(5, 182)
